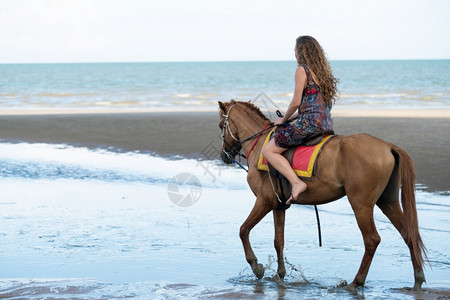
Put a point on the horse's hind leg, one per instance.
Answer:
(279, 220)
(260, 209)
(364, 217)
(390, 206)
(395, 215)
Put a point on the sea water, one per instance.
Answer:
(95, 224)
(199, 85)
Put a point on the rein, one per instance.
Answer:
(257, 139)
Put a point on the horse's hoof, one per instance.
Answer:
(259, 271)
(417, 286)
(350, 287)
(419, 279)
(281, 273)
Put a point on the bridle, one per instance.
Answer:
(226, 126)
(236, 149)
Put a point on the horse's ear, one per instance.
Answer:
(222, 106)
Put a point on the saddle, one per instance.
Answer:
(312, 140)
(302, 158)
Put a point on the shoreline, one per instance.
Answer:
(414, 112)
(189, 134)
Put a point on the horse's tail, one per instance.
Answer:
(408, 199)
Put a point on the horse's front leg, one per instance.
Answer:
(279, 218)
(260, 209)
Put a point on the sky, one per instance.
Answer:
(53, 31)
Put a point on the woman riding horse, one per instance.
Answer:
(367, 170)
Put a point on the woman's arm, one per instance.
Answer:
(300, 83)
(293, 117)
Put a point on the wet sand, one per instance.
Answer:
(187, 134)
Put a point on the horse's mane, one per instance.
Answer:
(254, 108)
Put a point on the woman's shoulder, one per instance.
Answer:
(300, 71)
(301, 76)
(303, 70)
(302, 67)
(310, 76)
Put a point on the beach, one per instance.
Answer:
(89, 197)
(112, 186)
(186, 134)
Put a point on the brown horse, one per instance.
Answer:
(366, 169)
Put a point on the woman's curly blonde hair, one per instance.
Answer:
(310, 52)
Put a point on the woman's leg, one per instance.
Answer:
(272, 153)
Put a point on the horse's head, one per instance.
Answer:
(230, 141)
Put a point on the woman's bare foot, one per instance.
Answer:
(297, 189)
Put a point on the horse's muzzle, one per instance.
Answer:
(226, 158)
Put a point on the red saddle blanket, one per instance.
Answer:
(303, 160)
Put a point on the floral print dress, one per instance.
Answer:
(314, 115)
